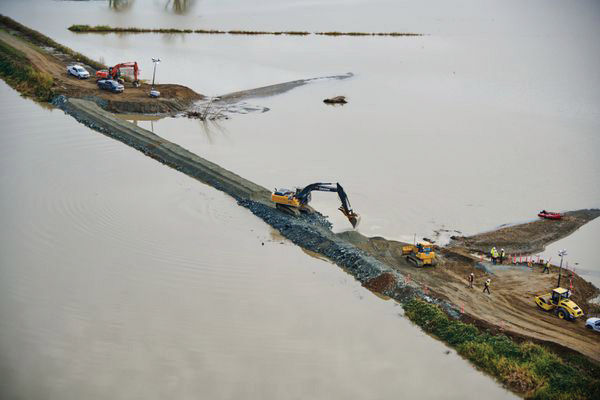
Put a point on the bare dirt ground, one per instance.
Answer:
(173, 98)
(510, 307)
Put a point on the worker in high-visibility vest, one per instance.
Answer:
(494, 253)
(486, 286)
(546, 268)
(502, 255)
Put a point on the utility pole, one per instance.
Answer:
(561, 254)
(155, 61)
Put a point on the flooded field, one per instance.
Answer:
(489, 118)
(481, 112)
(485, 121)
(119, 280)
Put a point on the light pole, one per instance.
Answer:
(155, 61)
(561, 254)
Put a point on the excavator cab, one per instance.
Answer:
(286, 198)
(294, 202)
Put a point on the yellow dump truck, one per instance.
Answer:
(559, 303)
(420, 255)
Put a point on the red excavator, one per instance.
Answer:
(116, 73)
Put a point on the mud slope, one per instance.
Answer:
(528, 238)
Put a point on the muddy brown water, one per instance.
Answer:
(485, 121)
(444, 131)
(121, 278)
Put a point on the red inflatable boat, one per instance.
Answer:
(549, 215)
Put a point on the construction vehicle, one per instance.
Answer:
(119, 71)
(420, 255)
(296, 201)
(559, 303)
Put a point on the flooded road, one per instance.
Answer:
(122, 278)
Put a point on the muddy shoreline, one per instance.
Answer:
(527, 238)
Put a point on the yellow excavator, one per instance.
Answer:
(420, 255)
(296, 201)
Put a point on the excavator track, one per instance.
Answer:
(414, 260)
(288, 209)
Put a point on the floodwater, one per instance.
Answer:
(122, 278)
(580, 258)
(488, 119)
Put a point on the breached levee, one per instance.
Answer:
(312, 231)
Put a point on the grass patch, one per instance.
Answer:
(525, 368)
(43, 40)
(109, 29)
(17, 71)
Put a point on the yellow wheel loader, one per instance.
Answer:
(559, 303)
(296, 201)
(420, 255)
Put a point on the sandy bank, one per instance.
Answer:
(528, 238)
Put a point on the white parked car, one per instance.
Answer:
(78, 71)
(593, 324)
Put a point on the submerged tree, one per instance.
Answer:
(120, 5)
(180, 6)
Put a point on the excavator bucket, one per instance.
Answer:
(354, 220)
(353, 217)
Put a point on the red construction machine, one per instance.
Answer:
(127, 69)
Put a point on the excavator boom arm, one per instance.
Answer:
(303, 195)
(115, 70)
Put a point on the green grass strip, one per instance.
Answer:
(17, 71)
(526, 368)
(110, 29)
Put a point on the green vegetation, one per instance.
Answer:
(17, 71)
(44, 41)
(109, 29)
(526, 368)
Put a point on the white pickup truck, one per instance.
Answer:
(77, 71)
